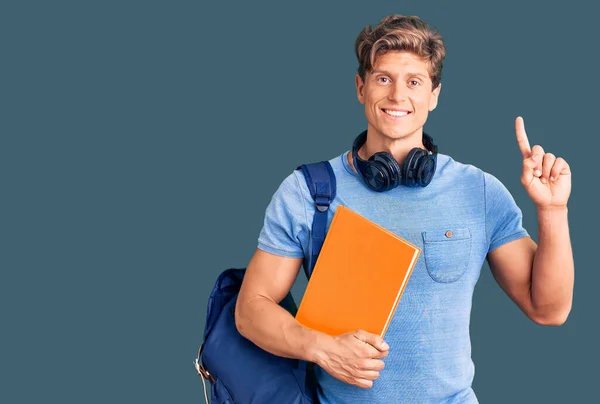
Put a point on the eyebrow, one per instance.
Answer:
(409, 74)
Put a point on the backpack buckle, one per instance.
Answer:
(203, 372)
(322, 202)
(201, 369)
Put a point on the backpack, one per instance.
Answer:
(240, 371)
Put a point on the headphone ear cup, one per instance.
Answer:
(390, 166)
(426, 169)
(375, 176)
(410, 168)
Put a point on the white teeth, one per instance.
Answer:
(395, 113)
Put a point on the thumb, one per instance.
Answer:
(372, 339)
(529, 165)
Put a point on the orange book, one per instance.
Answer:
(359, 277)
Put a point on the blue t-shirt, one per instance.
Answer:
(430, 348)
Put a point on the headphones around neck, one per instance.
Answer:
(382, 172)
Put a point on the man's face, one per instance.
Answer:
(397, 95)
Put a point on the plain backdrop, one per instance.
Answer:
(141, 142)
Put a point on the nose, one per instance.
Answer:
(397, 92)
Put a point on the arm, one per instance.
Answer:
(540, 278)
(258, 314)
(354, 358)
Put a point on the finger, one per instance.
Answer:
(380, 354)
(547, 164)
(366, 374)
(365, 384)
(372, 364)
(367, 351)
(522, 140)
(529, 165)
(372, 339)
(560, 167)
(537, 152)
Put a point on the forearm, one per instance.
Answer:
(275, 330)
(553, 267)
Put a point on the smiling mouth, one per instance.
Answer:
(395, 113)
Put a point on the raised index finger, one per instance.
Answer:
(522, 138)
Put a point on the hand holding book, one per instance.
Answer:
(354, 358)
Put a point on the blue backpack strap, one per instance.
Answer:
(321, 183)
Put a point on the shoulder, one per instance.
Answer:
(293, 193)
(449, 169)
(340, 167)
(467, 176)
(463, 176)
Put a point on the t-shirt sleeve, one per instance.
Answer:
(503, 218)
(284, 231)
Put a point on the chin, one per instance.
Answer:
(398, 135)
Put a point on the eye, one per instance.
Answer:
(383, 80)
(414, 83)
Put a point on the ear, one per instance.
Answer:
(360, 87)
(433, 101)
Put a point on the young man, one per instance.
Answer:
(459, 216)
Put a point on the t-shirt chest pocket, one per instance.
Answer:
(447, 253)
